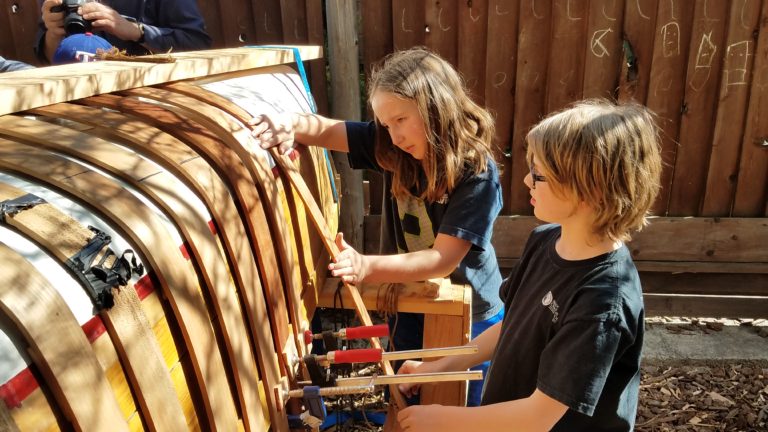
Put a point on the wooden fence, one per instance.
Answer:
(701, 65)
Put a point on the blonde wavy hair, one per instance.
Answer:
(459, 132)
(606, 155)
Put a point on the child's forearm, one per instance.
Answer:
(316, 130)
(438, 261)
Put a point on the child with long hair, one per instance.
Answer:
(566, 357)
(432, 143)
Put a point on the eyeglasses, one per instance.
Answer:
(536, 177)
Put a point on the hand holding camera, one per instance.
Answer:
(67, 17)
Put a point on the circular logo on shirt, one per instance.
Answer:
(547, 300)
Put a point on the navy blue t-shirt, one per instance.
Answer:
(468, 213)
(574, 330)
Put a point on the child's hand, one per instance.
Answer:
(273, 130)
(409, 367)
(430, 418)
(350, 265)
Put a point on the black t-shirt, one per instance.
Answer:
(468, 213)
(574, 330)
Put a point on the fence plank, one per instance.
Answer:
(317, 73)
(23, 26)
(294, 21)
(673, 29)
(752, 188)
(530, 92)
(473, 42)
(7, 45)
(441, 28)
(731, 109)
(602, 64)
(565, 72)
(696, 125)
(639, 30)
(213, 25)
(268, 19)
(408, 22)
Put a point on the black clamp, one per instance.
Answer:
(99, 280)
(17, 205)
(320, 376)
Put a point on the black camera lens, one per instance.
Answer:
(74, 23)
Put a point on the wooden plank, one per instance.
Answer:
(565, 72)
(696, 125)
(752, 188)
(316, 68)
(530, 97)
(58, 347)
(165, 191)
(638, 39)
(705, 306)
(472, 47)
(199, 176)
(213, 24)
(665, 86)
(713, 240)
(140, 226)
(705, 283)
(229, 167)
(603, 59)
(408, 24)
(238, 28)
(417, 297)
(23, 26)
(441, 28)
(6, 420)
(63, 237)
(731, 109)
(237, 139)
(23, 90)
(294, 19)
(269, 26)
(7, 46)
(376, 28)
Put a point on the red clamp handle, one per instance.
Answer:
(367, 355)
(380, 330)
(308, 337)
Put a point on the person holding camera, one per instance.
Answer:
(138, 27)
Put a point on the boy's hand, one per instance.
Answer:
(350, 265)
(430, 418)
(409, 367)
(273, 130)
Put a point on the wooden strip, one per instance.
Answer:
(129, 328)
(705, 306)
(317, 72)
(530, 97)
(638, 37)
(752, 189)
(674, 267)
(297, 182)
(602, 64)
(48, 85)
(706, 283)
(23, 27)
(6, 420)
(139, 225)
(237, 139)
(58, 346)
(199, 176)
(666, 88)
(269, 27)
(294, 21)
(731, 110)
(696, 126)
(472, 46)
(228, 167)
(213, 23)
(163, 189)
(565, 71)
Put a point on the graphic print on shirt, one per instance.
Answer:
(417, 226)
(550, 302)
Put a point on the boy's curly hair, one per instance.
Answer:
(606, 155)
(459, 132)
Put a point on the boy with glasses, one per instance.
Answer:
(566, 357)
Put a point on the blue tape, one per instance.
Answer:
(312, 106)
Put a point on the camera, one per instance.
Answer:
(73, 22)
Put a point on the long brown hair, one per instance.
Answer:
(459, 132)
